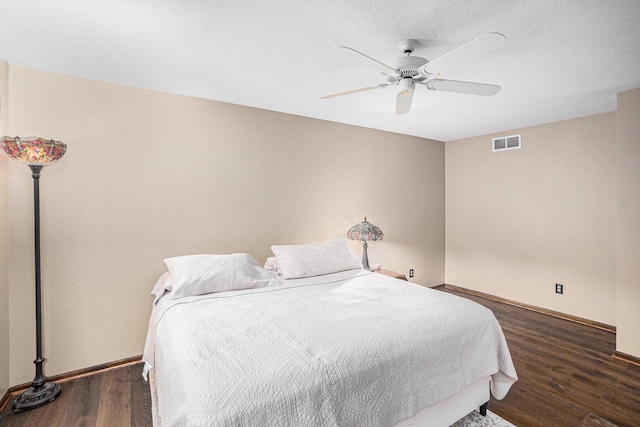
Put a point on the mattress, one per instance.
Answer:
(350, 348)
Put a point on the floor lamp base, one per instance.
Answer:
(34, 397)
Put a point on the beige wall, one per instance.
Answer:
(150, 175)
(4, 238)
(628, 289)
(519, 221)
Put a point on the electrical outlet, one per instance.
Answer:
(411, 272)
(559, 288)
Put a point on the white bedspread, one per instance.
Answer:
(351, 348)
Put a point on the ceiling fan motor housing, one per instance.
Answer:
(407, 66)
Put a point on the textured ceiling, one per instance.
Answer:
(562, 59)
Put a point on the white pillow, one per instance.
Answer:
(297, 261)
(203, 274)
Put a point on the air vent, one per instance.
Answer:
(511, 142)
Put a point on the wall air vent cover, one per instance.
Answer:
(511, 142)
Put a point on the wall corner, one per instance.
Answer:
(628, 234)
(4, 234)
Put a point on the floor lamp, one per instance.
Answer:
(36, 153)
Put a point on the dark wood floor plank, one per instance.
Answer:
(82, 410)
(114, 407)
(140, 398)
(595, 421)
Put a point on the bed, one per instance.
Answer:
(341, 348)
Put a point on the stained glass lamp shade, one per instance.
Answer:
(36, 153)
(33, 151)
(365, 231)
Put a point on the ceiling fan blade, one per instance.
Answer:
(349, 92)
(403, 101)
(471, 51)
(457, 86)
(366, 60)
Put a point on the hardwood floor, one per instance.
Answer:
(117, 397)
(567, 378)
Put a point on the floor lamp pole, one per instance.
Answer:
(41, 391)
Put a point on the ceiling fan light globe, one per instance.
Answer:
(407, 85)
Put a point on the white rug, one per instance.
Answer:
(474, 419)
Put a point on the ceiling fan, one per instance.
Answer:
(408, 70)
